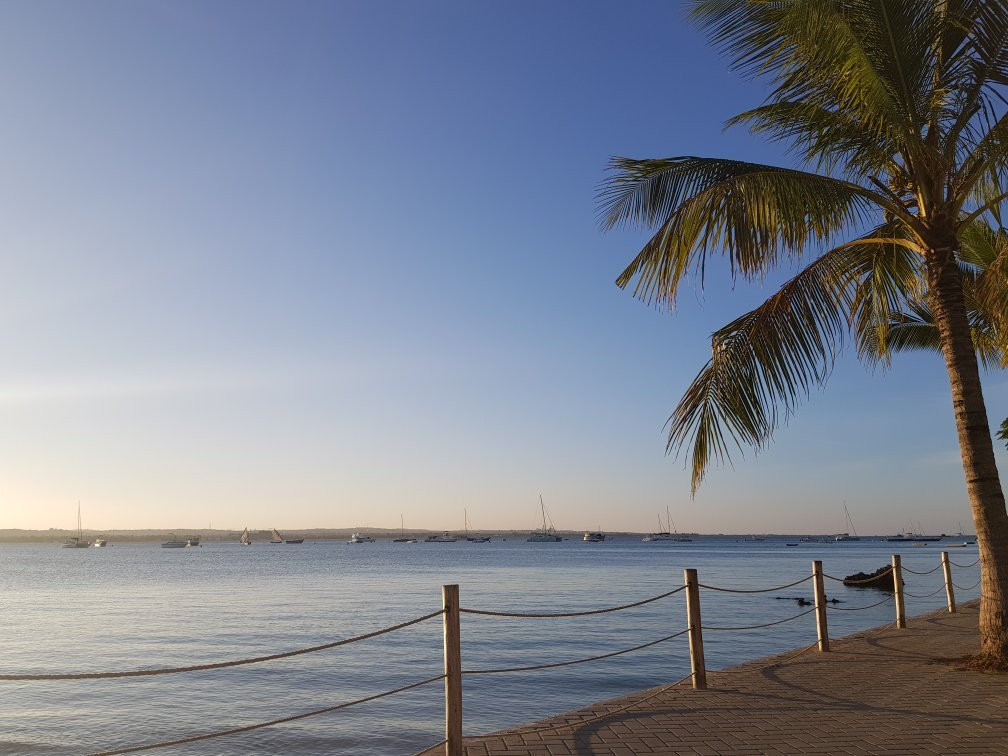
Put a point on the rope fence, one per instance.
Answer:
(574, 661)
(966, 566)
(755, 590)
(452, 610)
(907, 569)
(925, 595)
(872, 579)
(859, 608)
(222, 665)
(765, 624)
(271, 723)
(553, 615)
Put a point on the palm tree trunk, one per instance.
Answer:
(977, 448)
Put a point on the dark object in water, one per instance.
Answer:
(802, 601)
(881, 579)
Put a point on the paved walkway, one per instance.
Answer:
(881, 691)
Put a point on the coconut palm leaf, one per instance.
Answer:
(765, 362)
(756, 215)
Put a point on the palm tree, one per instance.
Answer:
(894, 111)
(1003, 433)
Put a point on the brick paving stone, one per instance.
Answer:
(884, 691)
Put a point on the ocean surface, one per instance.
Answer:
(135, 606)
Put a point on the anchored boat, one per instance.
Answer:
(669, 534)
(546, 535)
(473, 538)
(445, 537)
(403, 538)
(77, 542)
(851, 535)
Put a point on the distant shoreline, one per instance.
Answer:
(58, 535)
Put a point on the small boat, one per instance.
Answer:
(277, 538)
(790, 544)
(669, 534)
(403, 538)
(77, 542)
(192, 541)
(850, 523)
(174, 543)
(361, 538)
(246, 539)
(100, 543)
(294, 540)
(445, 537)
(962, 545)
(594, 537)
(473, 538)
(546, 535)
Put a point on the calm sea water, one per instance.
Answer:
(132, 606)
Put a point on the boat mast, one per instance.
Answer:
(80, 533)
(543, 508)
(849, 520)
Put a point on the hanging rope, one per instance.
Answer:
(260, 725)
(755, 590)
(541, 615)
(966, 589)
(222, 665)
(907, 569)
(767, 624)
(872, 579)
(965, 566)
(859, 608)
(926, 595)
(575, 661)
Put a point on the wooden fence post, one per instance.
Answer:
(452, 670)
(947, 569)
(697, 666)
(820, 605)
(897, 576)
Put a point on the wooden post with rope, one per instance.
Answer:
(697, 666)
(897, 576)
(820, 605)
(949, 593)
(452, 670)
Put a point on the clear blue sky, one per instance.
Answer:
(322, 264)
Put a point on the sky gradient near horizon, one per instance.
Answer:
(326, 264)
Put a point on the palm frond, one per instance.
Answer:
(753, 214)
(827, 139)
(868, 58)
(765, 362)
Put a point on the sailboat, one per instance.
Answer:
(668, 534)
(277, 538)
(473, 538)
(403, 538)
(246, 539)
(546, 535)
(78, 542)
(852, 534)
